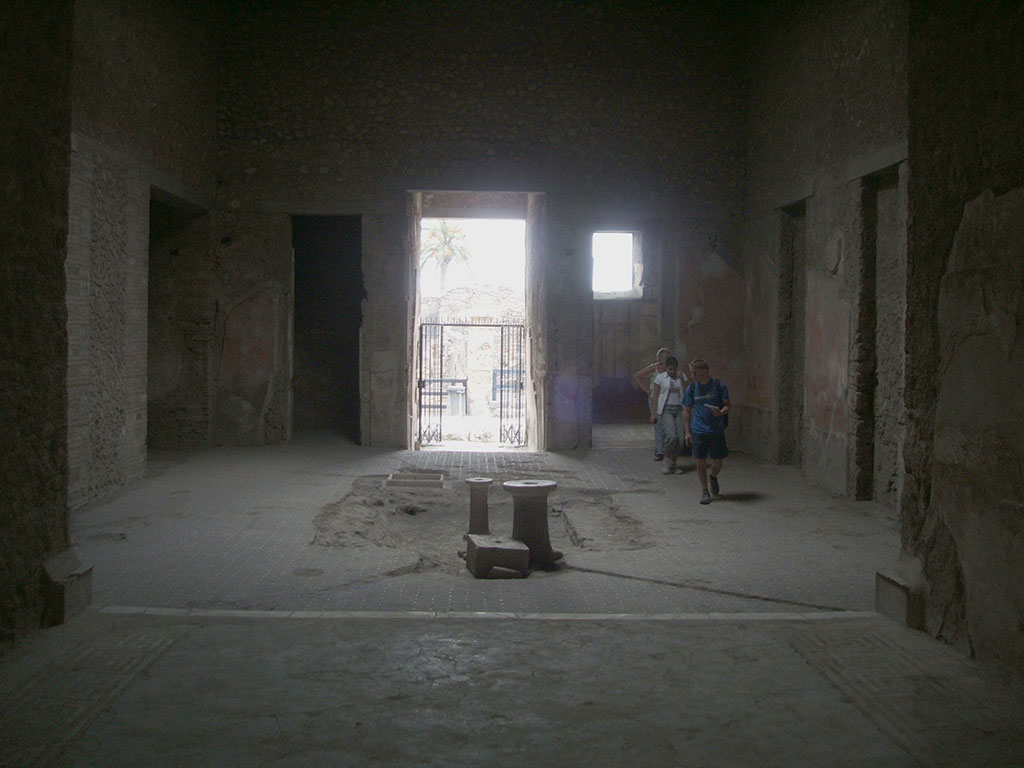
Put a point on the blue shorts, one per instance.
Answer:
(709, 445)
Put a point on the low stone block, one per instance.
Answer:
(899, 599)
(485, 552)
(67, 587)
(498, 572)
(414, 480)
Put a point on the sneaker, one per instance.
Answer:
(658, 457)
(705, 498)
(714, 485)
(668, 469)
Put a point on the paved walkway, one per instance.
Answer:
(251, 529)
(278, 607)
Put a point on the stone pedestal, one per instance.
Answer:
(530, 518)
(478, 522)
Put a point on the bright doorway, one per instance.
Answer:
(470, 361)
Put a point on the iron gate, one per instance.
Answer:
(460, 377)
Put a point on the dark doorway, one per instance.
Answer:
(792, 266)
(328, 313)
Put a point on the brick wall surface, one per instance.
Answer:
(107, 266)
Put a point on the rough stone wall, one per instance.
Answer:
(143, 96)
(106, 298)
(961, 505)
(828, 106)
(34, 171)
(332, 108)
(251, 359)
(145, 79)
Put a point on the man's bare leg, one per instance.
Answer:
(702, 473)
(716, 467)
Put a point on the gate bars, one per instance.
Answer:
(447, 391)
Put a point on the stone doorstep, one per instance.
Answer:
(898, 599)
(414, 480)
(485, 552)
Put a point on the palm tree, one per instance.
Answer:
(444, 244)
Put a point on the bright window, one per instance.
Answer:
(617, 265)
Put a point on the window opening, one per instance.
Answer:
(618, 265)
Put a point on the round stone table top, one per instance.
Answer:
(529, 489)
(471, 481)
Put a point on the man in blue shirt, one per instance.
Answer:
(705, 408)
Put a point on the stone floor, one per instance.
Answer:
(279, 607)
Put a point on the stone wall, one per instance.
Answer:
(628, 332)
(336, 108)
(143, 121)
(328, 101)
(220, 322)
(389, 238)
(961, 506)
(251, 356)
(181, 327)
(107, 268)
(145, 76)
(709, 293)
(34, 170)
(828, 114)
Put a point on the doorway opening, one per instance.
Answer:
(470, 358)
(328, 314)
(789, 329)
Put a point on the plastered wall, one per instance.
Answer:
(251, 356)
(828, 110)
(34, 168)
(181, 327)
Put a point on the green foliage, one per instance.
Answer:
(444, 244)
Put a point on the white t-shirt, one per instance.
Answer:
(670, 390)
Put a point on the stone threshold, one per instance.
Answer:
(136, 610)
